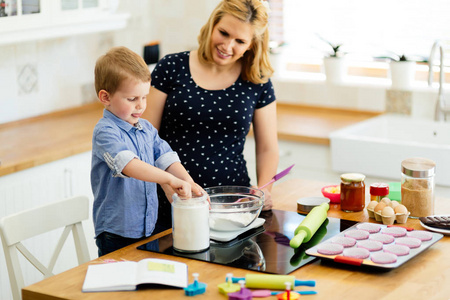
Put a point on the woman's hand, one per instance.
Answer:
(267, 200)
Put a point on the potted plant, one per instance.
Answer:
(276, 56)
(334, 63)
(402, 71)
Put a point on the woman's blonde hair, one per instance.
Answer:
(255, 62)
(116, 65)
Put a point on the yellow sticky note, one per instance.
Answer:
(154, 266)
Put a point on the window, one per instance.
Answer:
(366, 28)
(75, 4)
(9, 8)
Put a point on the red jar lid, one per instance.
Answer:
(379, 189)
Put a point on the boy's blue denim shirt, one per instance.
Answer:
(123, 205)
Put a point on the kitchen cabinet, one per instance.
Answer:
(39, 185)
(32, 20)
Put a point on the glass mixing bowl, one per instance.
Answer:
(234, 207)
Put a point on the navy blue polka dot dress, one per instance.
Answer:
(207, 128)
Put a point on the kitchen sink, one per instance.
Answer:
(377, 146)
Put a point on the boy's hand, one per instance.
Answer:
(184, 189)
(197, 190)
(181, 187)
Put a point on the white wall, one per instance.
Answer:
(44, 76)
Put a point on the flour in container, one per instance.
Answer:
(230, 221)
(190, 228)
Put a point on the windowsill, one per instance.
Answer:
(356, 81)
(367, 75)
(308, 86)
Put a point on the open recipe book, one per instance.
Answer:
(127, 275)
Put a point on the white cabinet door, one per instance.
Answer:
(33, 20)
(36, 186)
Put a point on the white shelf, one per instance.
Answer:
(66, 27)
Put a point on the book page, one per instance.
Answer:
(161, 271)
(116, 276)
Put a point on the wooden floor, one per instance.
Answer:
(35, 141)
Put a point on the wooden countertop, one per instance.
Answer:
(423, 277)
(313, 124)
(36, 141)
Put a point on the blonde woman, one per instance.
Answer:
(203, 102)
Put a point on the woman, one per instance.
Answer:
(204, 102)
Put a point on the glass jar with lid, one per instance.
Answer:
(378, 191)
(417, 186)
(353, 192)
(190, 224)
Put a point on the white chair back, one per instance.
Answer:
(14, 229)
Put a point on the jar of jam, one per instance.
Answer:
(353, 192)
(378, 191)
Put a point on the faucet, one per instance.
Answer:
(441, 110)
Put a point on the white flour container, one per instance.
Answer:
(190, 224)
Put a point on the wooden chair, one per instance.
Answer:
(18, 227)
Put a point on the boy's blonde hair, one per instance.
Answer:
(116, 65)
(256, 64)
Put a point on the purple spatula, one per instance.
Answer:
(278, 176)
(274, 178)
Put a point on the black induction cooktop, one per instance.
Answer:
(265, 249)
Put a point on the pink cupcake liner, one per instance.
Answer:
(356, 253)
(409, 241)
(357, 234)
(370, 227)
(381, 237)
(370, 245)
(330, 249)
(383, 258)
(394, 231)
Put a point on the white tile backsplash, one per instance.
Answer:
(356, 93)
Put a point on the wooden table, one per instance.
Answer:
(427, 276)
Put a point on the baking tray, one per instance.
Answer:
(367, 261)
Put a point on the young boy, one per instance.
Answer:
(128, 156)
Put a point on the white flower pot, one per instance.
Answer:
(278, 63)
(335, 69)
(402, 74)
